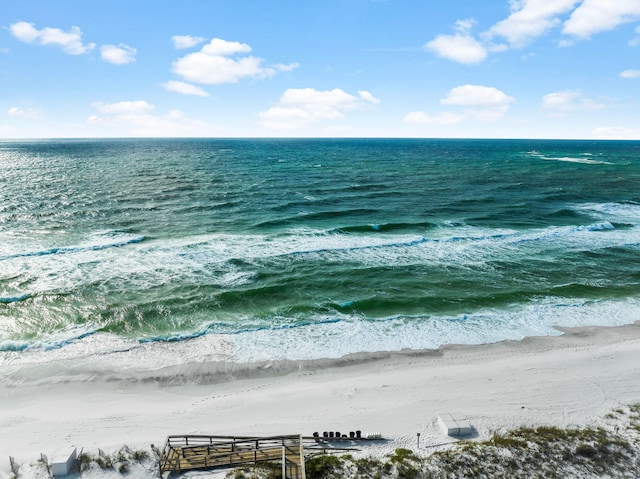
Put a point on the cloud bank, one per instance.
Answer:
(71, 42)
(26, 113)
(137, 118)
(530, 20)
(565, 101)
(299, 107)
(476, 102)
(595, 16)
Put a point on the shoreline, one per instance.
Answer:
(569, 380)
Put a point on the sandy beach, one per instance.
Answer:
(573, 379)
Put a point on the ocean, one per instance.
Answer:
(249, 250)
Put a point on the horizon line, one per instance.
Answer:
(308, 138)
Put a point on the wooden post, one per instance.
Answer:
(14, 466)
(303, 472)
(45, 461)
(284, 463)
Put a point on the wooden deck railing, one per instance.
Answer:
(188, 452)
(183, 453)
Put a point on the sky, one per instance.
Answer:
(320, 68)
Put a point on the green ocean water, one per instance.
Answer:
(294, 248)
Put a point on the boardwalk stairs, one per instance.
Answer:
(184, 453)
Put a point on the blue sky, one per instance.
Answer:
(327, 68)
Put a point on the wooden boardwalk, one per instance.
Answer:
(184, 453)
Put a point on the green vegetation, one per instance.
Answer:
(369, 468)
(119, 461)
(526, 452)
(612, 450)
(545, 451)
(323, 467)
(265, 470)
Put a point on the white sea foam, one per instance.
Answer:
(213, 259)
(230, 261)
(570, 159)
(108, 356)
(619, 212)
(351, 336)
(585, 161)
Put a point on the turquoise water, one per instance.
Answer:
(314, 248)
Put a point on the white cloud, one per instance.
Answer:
(299, 107)
(616, 133)
(118, 55)
(482, 103)
(479, 103)
(286, 68)
(565, 101)
(594, 16)
(630, 74)
(186, 41)
(184, 88)
(476, 95)
(219, 47)
(27, 113)
(71, 42)
(219, 62)
(530, 19)
(24, 31)
(135, 118)
(367, 96)
(137, 106)
(459, 48)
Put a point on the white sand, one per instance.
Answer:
(574, 379)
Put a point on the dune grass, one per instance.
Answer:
(526, 452)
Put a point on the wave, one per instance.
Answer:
(229, 275)
(234, 251)
(49, 343)
(585, 161)
(626, 211)
(470, 237)
(15, 299)
(231, 261)
(305, 216)
(233, 329)
(106, 356)
(383, 227)
(107, 240)
(348, 334)
(570, 159)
